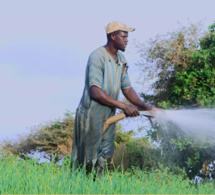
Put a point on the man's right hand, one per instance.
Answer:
(131, 110)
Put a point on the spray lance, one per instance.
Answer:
(121, 116)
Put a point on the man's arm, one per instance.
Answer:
(100, 96)
(132, 96)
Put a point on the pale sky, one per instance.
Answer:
(45, 44)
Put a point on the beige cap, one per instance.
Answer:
(116, 25)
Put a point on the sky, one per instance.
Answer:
(45, 44)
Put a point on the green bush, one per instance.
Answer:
(137, 153)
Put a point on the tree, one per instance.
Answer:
(183, 64)
(52, 140)
(195, 85)
(163, 57)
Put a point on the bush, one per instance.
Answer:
(137, 153)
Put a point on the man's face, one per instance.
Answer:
(120, 39)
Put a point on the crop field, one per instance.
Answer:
(28, 177)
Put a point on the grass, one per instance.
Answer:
(27, 177)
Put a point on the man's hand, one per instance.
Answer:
(131, 110)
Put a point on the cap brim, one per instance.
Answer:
(131, 29)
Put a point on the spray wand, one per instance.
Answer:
(121, 116)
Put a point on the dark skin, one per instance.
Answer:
(118, 41)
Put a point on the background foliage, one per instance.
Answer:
(51, 140)
(182, 66)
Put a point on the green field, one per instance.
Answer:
(27, 177)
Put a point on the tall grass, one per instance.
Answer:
(27, 177)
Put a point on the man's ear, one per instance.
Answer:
(113, 36)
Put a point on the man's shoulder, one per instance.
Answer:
(98, 52)
(98, 56)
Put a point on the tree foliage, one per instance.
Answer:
(182, 64)
(138, 152)
(164, 56)
(195, 85)
(52, 140)
(121, 136)
(180, 149)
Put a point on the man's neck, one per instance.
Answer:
(111, 49)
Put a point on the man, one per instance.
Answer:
(106, 74)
